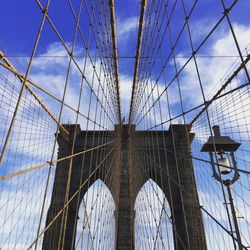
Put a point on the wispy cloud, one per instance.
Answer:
(126, 28)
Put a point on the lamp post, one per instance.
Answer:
(222, 159)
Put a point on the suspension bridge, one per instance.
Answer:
(126, 133)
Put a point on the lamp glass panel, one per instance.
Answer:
(223, 164)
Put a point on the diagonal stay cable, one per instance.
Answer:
(229, 80)
(200, 206)
(54, 161)
(22, 80)
(72, 197)
(38, 36)
(49, 94)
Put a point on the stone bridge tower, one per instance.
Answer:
(134, 163)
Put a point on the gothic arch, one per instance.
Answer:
(167, 162)
(97, 193)
(86, 169)
(130, 171)
(160, 235)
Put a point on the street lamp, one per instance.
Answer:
(222, 159)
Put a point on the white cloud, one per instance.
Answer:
(50, 73)
(125, 27)
(90, 212)
(20, 211)
(125, 93)
(33, 136)
(212, 69)
(149, 213)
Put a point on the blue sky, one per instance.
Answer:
(18, 33)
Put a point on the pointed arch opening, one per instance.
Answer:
(96, 220)
(153, 224)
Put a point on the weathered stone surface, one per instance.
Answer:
(164, 157)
